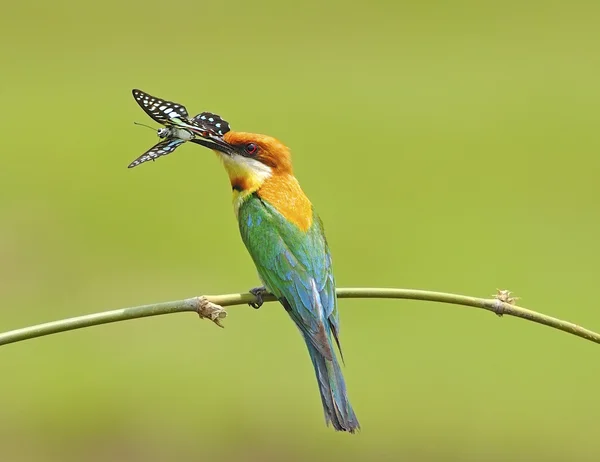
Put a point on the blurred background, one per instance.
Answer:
(449, 146)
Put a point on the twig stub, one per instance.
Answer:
(209, 310)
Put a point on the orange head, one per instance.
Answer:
(258, 163)
(249, 159)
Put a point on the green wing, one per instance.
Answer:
(295, 266)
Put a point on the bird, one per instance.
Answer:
(285, 238)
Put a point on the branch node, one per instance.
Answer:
(498, 307)
(502, 297)
(209, 310)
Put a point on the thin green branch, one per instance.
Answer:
(210, 307)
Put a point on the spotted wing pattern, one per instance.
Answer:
(163, 148)
(162, 111)
(211, 124)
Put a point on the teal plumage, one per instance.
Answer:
(295, 265)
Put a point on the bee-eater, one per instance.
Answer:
(285, 238)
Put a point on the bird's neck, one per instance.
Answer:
(284, 193)
(280, 189)
(245, 175)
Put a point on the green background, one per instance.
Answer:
(449, 146)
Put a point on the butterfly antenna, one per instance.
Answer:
(144, 125)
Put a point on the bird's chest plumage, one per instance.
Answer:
(266, 232)
(279, 248)
(276, 221)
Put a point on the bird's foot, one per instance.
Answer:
(258, 292)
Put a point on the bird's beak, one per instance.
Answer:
(216, 143)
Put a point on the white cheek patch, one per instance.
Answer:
(258, 169)
(255, 170)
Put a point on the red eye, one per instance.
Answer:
(251, 148)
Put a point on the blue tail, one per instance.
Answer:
(332, 387)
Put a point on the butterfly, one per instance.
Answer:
(178, 126)
(173, 116)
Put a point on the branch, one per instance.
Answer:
(210, 307)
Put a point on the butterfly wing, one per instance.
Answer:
(161, 149)
(162, 111)
(210, 124)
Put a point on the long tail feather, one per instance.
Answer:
(332, 387)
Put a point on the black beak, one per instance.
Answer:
(213, 143)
